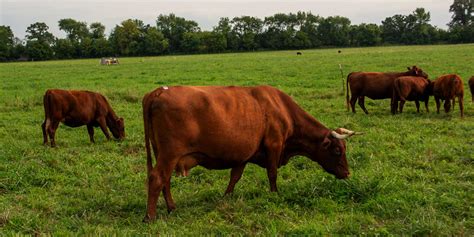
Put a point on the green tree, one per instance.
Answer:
(154, 42)
(365, 35)
(191, 42)
(247, 29)
(76, 31)
(97, 30)
(334, 31)
(6, 42)
(174, 28)
(462, 13)
(39, 41)
(212, 42)
(393, 29)
(124, 37)
(224, 28)
(63, 49)
(39, 32)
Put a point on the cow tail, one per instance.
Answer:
(347, 91)
(147, 125)
(47, 103)
(146, 104)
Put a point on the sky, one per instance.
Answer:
(19, 14)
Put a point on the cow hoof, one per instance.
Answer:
(148, 219)
(171, 209)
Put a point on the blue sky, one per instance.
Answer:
(19, 14)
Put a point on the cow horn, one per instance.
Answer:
(339, 136)
(345, 133)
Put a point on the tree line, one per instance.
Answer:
(176, 35)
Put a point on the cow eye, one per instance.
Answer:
(337, 151)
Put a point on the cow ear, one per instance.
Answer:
(326, 143)
(408, 68)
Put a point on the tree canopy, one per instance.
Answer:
(171, 34)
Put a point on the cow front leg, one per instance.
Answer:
(103, 127)
(447, 105)
(438, 104)
(272, 176)
(394, 106)
(235, 175)
(461, 105)
(426, 106)
(362, 104)
(90, 130)
(417, 104)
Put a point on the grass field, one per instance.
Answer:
(412, 173)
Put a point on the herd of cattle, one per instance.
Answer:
(228, 127)
(412, 85)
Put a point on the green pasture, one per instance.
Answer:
(412, 173)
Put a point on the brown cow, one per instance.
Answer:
(447, 88)
(77, 108)
(228, 127)
(411, 89)
(471, 86)
(375, 85)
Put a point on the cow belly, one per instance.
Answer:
(73, 122)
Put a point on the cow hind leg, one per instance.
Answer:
(353, 102)
(362, 104)
(51, 129)
(235, 175)
(167, 195)
(155, 185)
(402, 103)
(90, 130)
(45, 135)
(159, 180)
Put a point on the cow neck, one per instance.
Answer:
(111, 116)
(308, 135)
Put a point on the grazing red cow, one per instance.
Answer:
(228, 127)
(447, 88)
(375, 85)
(411, 89)
(471, 86)
(77, 108)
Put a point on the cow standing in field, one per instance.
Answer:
(77, 108)
(411, 89)
(375, 85)
(471, 86)
(447, 88)
(228, 127)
